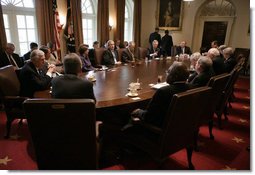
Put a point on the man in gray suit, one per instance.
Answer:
(70, 85)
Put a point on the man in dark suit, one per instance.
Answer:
(32, 78)
(154, 51)
(183, 49)
(204, 72)
(110, 56)
(157, 107)
(230, 60)
(167, 43)
(70, 85)
(8, 57)
(128, 55)
(92, 53)
(155, 36)
(33, 46)
(217, 60)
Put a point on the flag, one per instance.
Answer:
(57, 26)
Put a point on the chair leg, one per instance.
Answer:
(210, 125)
(189, 155)
(195, 140)
(8, 128)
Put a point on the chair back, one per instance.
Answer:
(63, 135)
(218, 85)
(9, 82)
(182, 119)
(142, 52)
(99, 55)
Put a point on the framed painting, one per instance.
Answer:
(169, 14)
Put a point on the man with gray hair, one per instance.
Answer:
(217, 60)
(8, 57)
(230, 60)
(128, 55)
(70, 85)
(110, 56)
(32, 78)
(203, 72)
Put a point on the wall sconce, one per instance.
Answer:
(110, 23)
(110, 27)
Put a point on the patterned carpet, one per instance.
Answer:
(229, 150)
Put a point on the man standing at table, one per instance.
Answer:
(110, 56)
(70, 85)
(32, 78)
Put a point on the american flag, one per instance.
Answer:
(57, 25)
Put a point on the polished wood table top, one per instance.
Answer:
(111, 85)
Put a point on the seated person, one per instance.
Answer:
(96, 45)
(32, 78)
(110, 56)
(8, 57)
(217, 60)
(203, 72)
(193, 59)
(84, 56)
(70, 85)
(154, 51)
(53, 54)
(33, 46)
(183, 49)
(128, 55)
(157, 107)
(118, 44)
(230, 60)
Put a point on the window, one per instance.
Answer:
(89, 21)
(129, 11)
(20, 23)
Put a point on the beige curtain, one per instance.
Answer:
(45, 21)
(3, 40)
(77, 22)
(103, 21)
(137, 21)
(120, 10)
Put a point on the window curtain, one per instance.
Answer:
(45, 21)
(103, 21)
(77, 22)
(137, 22)
(3, 40)
(120, 10)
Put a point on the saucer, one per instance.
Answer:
(132, 95)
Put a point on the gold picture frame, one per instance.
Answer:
(169, 14)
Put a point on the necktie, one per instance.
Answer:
(12, 61)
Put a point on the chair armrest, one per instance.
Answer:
(147, 126)
(15, 99)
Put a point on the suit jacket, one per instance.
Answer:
(4, 60)
(92, 56)
(108, 57)
(179, 50)
(26, 56)
(127, 56)
(166, 44)
(218, 65)
(71, 86)
(198, 80)
(86, 64)
(155, 36)
(158, 106)
(230, 64)
(151, 50)
(32, 81)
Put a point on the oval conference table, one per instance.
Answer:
(111, 85)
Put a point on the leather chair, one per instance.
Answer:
(63, 133)
(142, 52)
(99, 55)
(178, 130)
(120, 53)
(221, 107)
(218, 85)
(9, 93)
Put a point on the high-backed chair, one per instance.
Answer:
(178, 129)
(120, 53)
(218, 85)
(99, 55)
(221, 107)
(63, 133)
(142, 52)
(9, 93)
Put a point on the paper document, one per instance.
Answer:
(159, 85)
